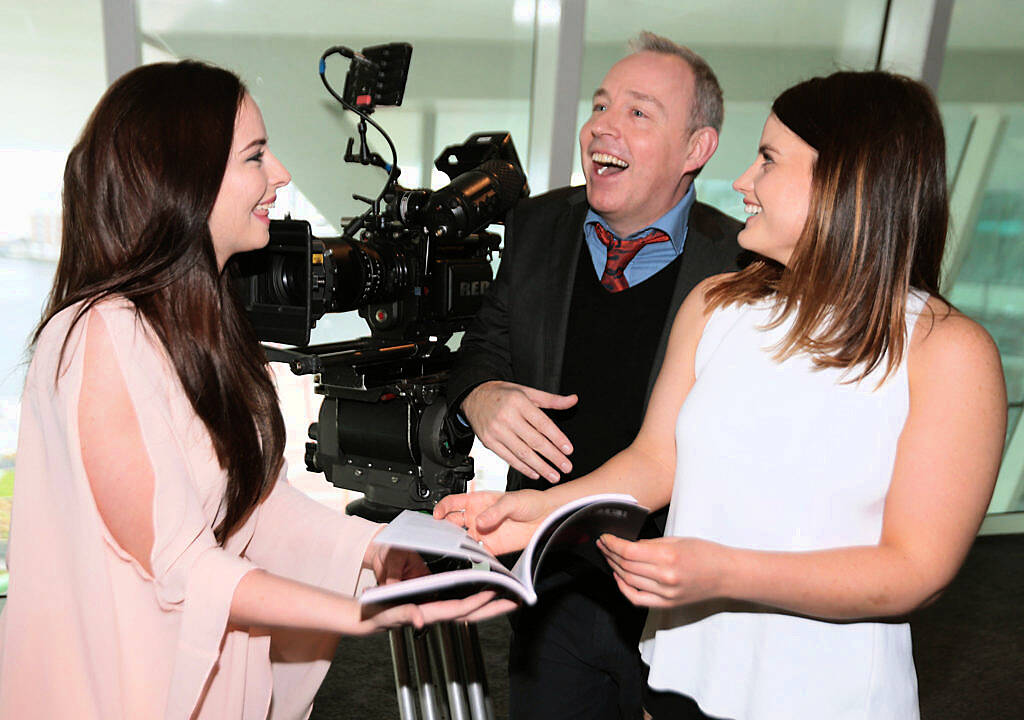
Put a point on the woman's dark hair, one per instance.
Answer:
(139, 187)
(876, 225)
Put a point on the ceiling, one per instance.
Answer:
(990, 24)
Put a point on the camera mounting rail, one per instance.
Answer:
(386, 402)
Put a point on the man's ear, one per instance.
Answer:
(700, 147)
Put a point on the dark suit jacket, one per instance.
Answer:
(519, 333)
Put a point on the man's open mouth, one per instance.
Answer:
(606, 164)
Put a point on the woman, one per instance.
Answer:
(160, 563)
(826, 427)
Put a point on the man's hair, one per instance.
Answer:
(876, 225)
(707, 109)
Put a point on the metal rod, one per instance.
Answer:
(480, 703)
(452, 670)
(403, 679)
(424, 675)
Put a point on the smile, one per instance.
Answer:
(264, 208)
(751, 209)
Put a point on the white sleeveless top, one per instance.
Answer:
(781, 456)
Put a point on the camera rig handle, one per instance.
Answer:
(365, 156)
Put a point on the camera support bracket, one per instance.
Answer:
(388, 401)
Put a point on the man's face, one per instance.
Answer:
(635, 144)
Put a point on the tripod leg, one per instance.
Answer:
(403, 679)
(424, 675)
(480, 703)
(452, 670)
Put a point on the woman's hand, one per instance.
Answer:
(391, 564)
(504, 522)
(665, 572)
(369, 619)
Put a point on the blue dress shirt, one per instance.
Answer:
(652, 257)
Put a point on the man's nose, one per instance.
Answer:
(604, 124)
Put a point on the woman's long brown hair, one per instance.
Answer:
(876, 225)
(139, 187)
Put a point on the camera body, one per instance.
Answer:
(405, 284)
(417, 268)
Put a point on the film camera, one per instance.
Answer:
(415, 266)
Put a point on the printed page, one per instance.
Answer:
(580, 522)
(577, 523)
(447, 585)
(420, 532)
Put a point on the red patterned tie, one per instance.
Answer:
(620, 253)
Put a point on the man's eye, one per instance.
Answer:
(638, 113)
(600, 107)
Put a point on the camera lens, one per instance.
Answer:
(287, 280)
(364, 272)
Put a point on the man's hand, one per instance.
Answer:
(509, 420)
(504, 522)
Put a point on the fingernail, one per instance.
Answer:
(566, 467)
(567, 448)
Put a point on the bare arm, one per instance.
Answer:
(644, 470)
(267, 600)
(947, 461)
(120, 474)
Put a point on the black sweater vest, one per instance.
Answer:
(610, 344)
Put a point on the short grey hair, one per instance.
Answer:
(708, 109)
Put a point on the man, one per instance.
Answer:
(576, 325)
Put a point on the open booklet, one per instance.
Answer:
(576, 523)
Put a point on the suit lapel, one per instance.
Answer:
(698, 262)
(566, 243)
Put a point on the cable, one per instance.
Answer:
(393, 170)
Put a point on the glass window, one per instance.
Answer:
(52, 55)
(984, 97)
(471, 64)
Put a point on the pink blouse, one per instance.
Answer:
(87, 632)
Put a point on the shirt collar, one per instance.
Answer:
(673, 223)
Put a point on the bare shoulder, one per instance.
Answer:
(696, 302)
(712, 280)
(692, 317)
(948, 346)
(693, 313)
